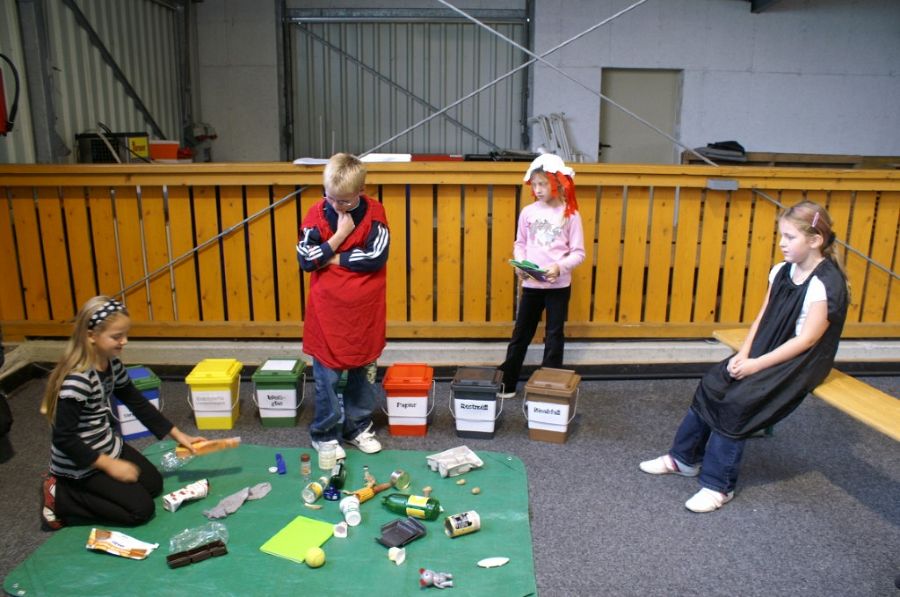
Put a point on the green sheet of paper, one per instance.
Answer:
(297, 537)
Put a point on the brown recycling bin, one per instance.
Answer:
(551, 396)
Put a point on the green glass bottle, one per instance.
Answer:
(338, 475)
(417, 506)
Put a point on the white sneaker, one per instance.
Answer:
(708, 500)
(338, 450)
(505, 395)
(366, 441)
(666, 465)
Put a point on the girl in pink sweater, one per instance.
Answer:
(549, 234)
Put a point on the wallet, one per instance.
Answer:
(400, 532)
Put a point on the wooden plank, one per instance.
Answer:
(475, 254)
(184, 271)
(393, 197)
(609, 238)
(234, 244)
(11, 291)
(582, 289)
(710, 263)
(634, 254)
(866, 404)
(686, 233)
(308, 199)
(421, 253)
(131, 253)
(884, 245)
(763, 237)
(156, 250)
(20, 329)
(106, 252)
(80, 248)
(287, 231)
(860, 238)
(53, 244)
(503, 235)
(28, 244)
(263, 289)
(209, 259)
(660, 259)
(449, 251)
(737, 242)
(892, 312)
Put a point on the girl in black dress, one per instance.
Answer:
(789, 350)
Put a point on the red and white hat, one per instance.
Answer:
(555, 168)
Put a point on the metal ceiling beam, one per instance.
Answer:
(760, 5)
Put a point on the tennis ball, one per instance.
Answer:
(315, 557)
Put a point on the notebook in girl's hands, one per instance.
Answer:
(532, 269)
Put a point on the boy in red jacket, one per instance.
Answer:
(344, 241)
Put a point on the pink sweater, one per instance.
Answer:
(544, 238)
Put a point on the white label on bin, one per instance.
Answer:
(409, 406)
(408, 420)
(211, 400)
(470, 425)
(279, 365)
(276, 398)
(475, 409)
(128, 423)
(547, 427)
(552, 413)
(126, 416)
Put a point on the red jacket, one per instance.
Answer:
(346, 313)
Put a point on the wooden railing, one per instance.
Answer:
(666, 257)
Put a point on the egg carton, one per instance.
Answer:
(454, 462)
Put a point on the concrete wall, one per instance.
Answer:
(237, 78)
(804, 76)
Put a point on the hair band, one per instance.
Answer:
(815, 219)
(108, 308)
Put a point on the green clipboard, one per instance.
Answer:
(297, 537)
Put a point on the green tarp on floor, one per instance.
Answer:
(356, 565)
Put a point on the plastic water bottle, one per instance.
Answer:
(171, 461)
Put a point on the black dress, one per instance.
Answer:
(740, 408)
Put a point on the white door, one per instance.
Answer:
(655, 96)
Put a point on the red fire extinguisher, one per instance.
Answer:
(6, 122)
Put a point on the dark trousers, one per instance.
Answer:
(100, 498)
(535, 301)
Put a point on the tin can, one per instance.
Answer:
(462, 523)
(400, 479)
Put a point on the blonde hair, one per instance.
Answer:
(344, 174)
(79, 354)
(811, 219)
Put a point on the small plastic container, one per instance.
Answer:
(473, 401)
(215, 392)
(407, 389)
(148, 384)
(551, 398)
(279, 389)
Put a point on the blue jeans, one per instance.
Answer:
(348, 417)
(696, 443)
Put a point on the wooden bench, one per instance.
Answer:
(858, 399)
